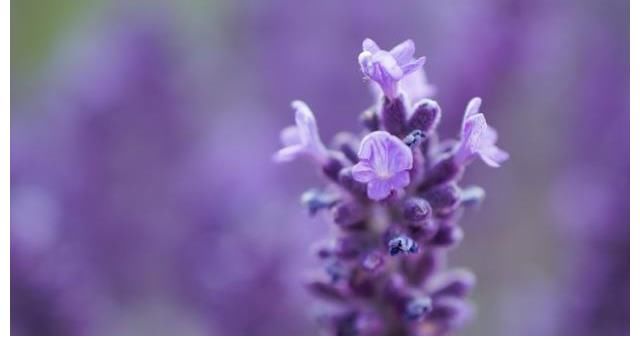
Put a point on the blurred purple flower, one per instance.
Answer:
(478, 138)
(302, 139)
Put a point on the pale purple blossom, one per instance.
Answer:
(478, 139)
(303, 138)
(387, 68)
(384, 267)
(384, 164)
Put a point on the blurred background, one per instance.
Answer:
(144, 199)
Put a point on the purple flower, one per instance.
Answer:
(385, 266)
(387, 68)
(302, 139)
(478, 138)
(384, 164)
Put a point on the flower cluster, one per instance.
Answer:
(395, 198)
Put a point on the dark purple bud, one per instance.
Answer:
(445, 197)
(369, 119)
(442, 172)
(327, 291)
(472, 196)
(395, 291)
(333, 165)
(315, 200)
(346, 181)
(362, 283)
(447, 236)
(402, 244)
(426, 231)
(423, 266)
(416, 210)
(414, 138)
(426, 115)
(454, 283)
(417, 308)
(450, 312)
(348, 213)
(347, 143)
(394, 116)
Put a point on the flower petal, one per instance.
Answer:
(412, 66)
(388, 65)
(370, 45)
(289, 136)
(363, 172)
(289, 153)
(493, 156)
(400, 180)
(399, 155)
(378, 189)
(473, 107)
(403, 53)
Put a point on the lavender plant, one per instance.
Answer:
(395, 200)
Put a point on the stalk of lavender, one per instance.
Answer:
(395, 199)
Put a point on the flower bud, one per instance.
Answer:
(426, 115)
(447, 236)
(444, 171)
(394, 116)
(423, 266)
(450, 312)
(326, 290)
(444, 198)
(369, 119)
(347, 143)
(453, 283)
(416, 210)
(348, 213)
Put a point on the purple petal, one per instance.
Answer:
(399, 155)
(289, 136)
(363, 172)
(378, 189)
(403, 53)
(412, 66)
(370, 46)
(493, 156)
(289, 153)
(388, 65)
(473, 107)
(473, 131)
(400, 180)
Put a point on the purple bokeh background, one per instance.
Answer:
(144, 199)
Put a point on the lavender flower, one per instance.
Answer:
(384, 164)
(302, 139)
(387, 68)
(396, 204)
(478, 138)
